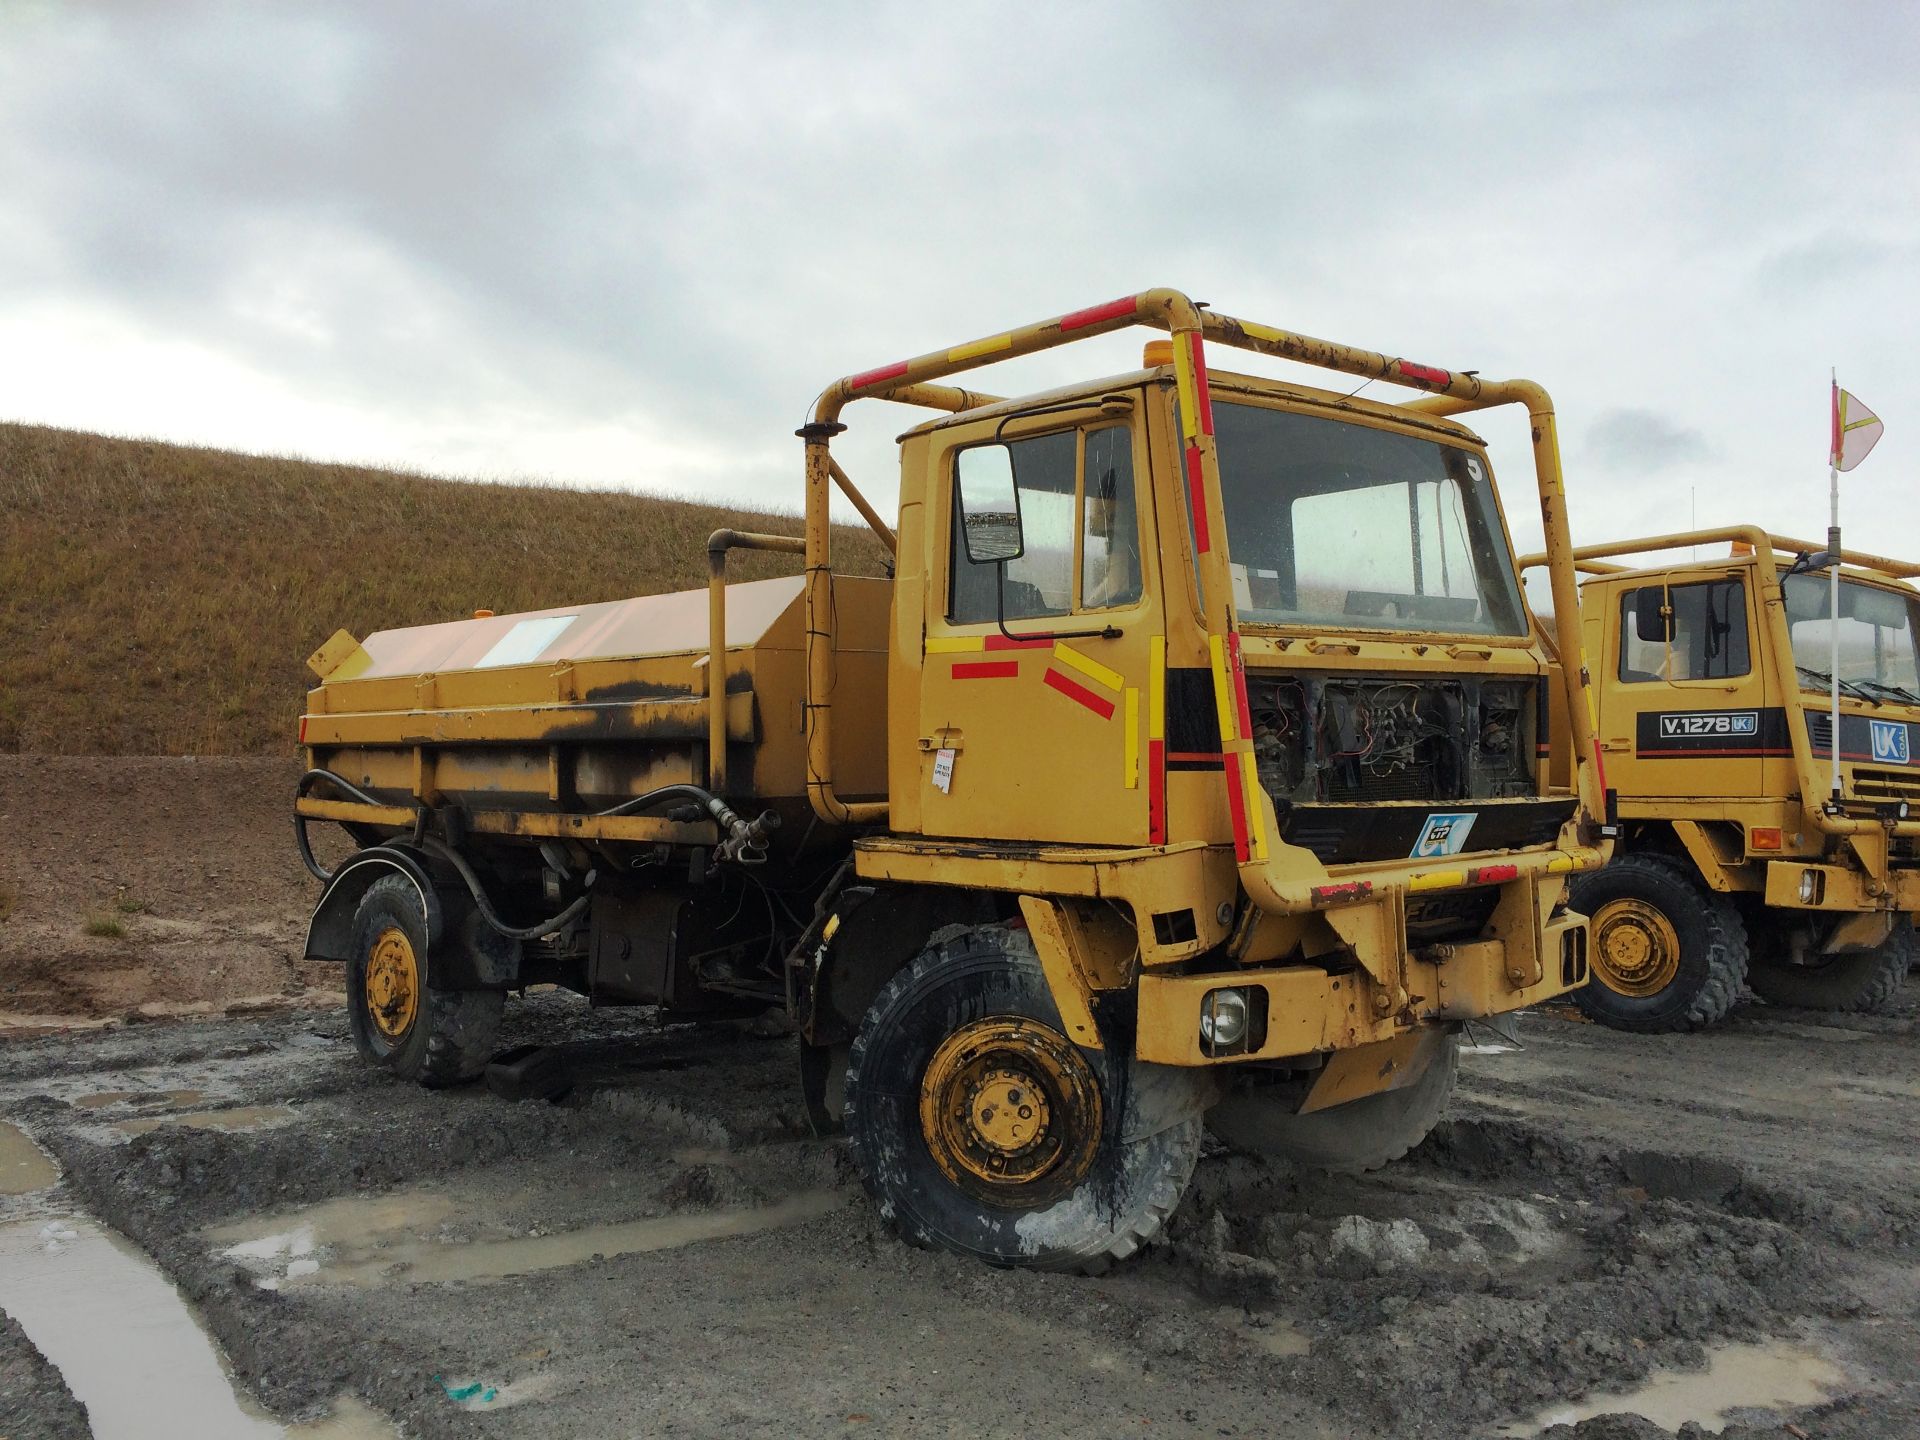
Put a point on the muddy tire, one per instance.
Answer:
(1667, 953)
(1360, 1135)
(1861, 981)
(979, 1128)
(398, 1018)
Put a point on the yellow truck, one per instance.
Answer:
(1188, 766)
(1744, 855)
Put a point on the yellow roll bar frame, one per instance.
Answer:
(1450, 393)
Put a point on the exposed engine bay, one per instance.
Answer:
(1325, 739)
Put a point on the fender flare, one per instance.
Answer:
(330, 929)
(464, 952)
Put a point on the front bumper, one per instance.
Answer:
(1840, 887)
(1303, 1009)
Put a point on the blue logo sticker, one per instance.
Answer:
(1889, 741)
(1443, 835)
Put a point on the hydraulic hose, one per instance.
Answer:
(487, 913)
(300, 821)
(745, 842)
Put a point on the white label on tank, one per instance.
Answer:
(943, 771)
(525, 641)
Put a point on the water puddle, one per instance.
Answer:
(1279, 1338)
(235, 1119)
(413, 1237)
(129, 1347)
(1774, 1374)
(102, 1099)
(23, 1169)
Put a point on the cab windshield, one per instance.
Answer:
(1336, 525)
(1877, 650)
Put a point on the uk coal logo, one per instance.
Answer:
(1889, 741)
(1716, 722)
(1443, 835)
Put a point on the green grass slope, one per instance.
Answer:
(162, 599)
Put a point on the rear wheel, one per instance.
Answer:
(1667, 953)
(1362, 1134)
(398, 1019)
(979, 1127)
(1859, 980)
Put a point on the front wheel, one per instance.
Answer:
(1858, 980)
(1667, 953)
(979, 1127)
(398, 1019)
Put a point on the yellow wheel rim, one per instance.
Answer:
(1009, 1107)
(393, 983)
(1636, 950)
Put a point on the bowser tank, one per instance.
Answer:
(590, 707)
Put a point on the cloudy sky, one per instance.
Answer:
(625, 244)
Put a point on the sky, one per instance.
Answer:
(625, 245)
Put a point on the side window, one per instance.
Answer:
(1709, 634)
(1080, 525)
(1109, 521)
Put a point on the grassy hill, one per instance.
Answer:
(160, 599)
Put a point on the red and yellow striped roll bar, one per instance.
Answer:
(1450, 392)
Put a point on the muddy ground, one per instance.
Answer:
(147, 888)
(667, 1251)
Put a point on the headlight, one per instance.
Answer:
(1223, 1018)
(1809, 886)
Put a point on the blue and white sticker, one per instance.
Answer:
(1889, 741)
(1443, 835)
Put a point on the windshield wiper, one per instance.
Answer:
(1847, 687)
(1899, 692)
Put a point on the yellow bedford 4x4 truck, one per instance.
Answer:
(1738, 860)
(1190, 763)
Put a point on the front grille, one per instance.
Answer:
(1358, 785)
(1871, 784)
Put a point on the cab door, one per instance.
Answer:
(1683, 713)
(1035, 679)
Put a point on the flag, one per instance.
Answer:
(1856, 430)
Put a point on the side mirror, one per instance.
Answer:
(989, 505)
(1650, 620)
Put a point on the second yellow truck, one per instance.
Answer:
(1738, 862)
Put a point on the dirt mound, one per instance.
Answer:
(133, 888)
(163, 599)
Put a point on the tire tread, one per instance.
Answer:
(1173, 1152)
(1727, 950)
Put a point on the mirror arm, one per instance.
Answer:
(1108, 632)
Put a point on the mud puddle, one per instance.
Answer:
(235, 1119)
(1771, 1375)
(431, 1237)
(23, 1169)
(128, 1346)
(101, 1099)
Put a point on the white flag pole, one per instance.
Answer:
(1833, 589)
